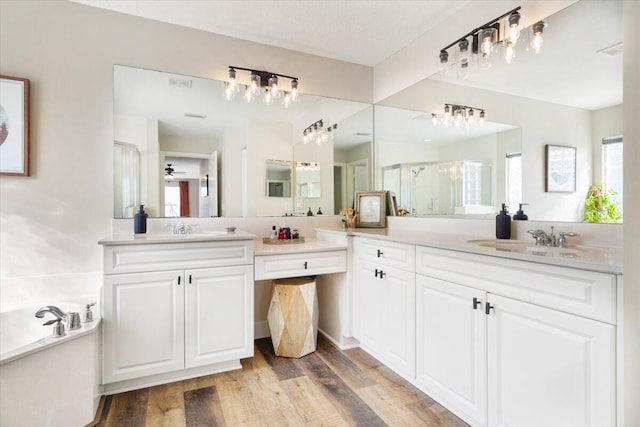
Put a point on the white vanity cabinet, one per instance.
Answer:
(496, 360)
(175, 307)
(385, 302)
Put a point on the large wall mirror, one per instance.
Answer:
(569, 94)
(182, 150)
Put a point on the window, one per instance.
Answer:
(612, 167)
(513, 184)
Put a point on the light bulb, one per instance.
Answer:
(444, 59)
(514, 27)
(434, 119)
(537, 39)
(509, 51)
(294, 90)
(481, 120)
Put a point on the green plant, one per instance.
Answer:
(599, 207)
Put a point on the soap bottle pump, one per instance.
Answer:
(520, 214)
(503, 224)
(140, 221)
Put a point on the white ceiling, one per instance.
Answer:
(363, 32)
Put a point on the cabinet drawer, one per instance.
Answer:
(143, 258)
(585, 293)
(392, 254)
(297, 265)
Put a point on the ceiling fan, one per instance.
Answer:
(169, 172)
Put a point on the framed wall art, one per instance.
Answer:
(560, 169)
(372, 209)
(14, 126)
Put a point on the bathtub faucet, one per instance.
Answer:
(60, 316)
(71, 319)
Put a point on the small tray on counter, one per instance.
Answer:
(269, 241)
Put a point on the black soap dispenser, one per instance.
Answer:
(140, 221)
(503, 224)
(520, 216)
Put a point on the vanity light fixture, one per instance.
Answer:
(459, 116)
(262, 84)
(501, 33)
(308, 166)
(316, 132)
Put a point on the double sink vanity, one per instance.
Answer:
(498, 332)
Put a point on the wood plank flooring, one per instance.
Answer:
(326, 388)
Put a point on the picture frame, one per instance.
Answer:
(392, 204)
(14, 126)
(372, 209)
(560, 169)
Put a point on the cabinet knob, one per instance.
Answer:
(380, 253)
(487, 308)
(476, 303)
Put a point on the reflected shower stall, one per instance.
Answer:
(442, 188)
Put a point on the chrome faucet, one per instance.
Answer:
(181, 228)
(544, 239)
(71, 319)
(60, 316)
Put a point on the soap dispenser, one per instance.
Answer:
(140, 221)
(503, 224)
(520, 216)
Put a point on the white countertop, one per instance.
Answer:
(310, 245)
(154, 238)
(601, 259)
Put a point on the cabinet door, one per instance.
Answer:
(451, 346)
(143, 324)
(398, 320)
(218, 315)
(548, 368)
(368, 307)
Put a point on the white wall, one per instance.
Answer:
(52, 220)
(631, 112)
(187, 144)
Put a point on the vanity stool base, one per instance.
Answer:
(293, 316)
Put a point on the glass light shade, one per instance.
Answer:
(232, 82)
(268, 98)
(487, 39)
(513, 28)
(537, 40)
(509, 51)
(228, 93)
(273, 85)
(286, 99)
(255, 84)
(249, 96)
(294, 90)
(434, 119)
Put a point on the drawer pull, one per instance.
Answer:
(305, 265)
(476, 303)
(380, 253)
(487, 308)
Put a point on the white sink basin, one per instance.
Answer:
(529, 247)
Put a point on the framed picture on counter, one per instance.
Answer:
(372, 209)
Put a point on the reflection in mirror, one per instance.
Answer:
(308, 180)
(435, 170)
(168, 116)
(278, 178)
(569, 94)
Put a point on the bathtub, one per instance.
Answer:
(47, 381)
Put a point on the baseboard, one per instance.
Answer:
(345, 345)
(261, 330)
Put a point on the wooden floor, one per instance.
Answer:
(326, 388)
